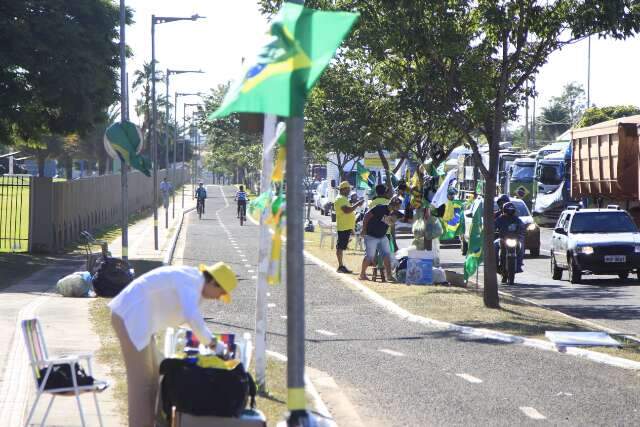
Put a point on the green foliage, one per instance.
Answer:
(602, 114)
(58, 68)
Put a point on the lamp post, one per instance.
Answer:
(184, 122)
(154, 136)
(124, 116)
(175, 145)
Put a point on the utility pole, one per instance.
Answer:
(154, 143)
(124, 116)
(526, 123)
(589, 72)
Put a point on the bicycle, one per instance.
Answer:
(242, 205)
(200, 207)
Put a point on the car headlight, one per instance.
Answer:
(531, 227)
(586, 250)
(511, 243)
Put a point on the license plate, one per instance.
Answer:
(615, 258)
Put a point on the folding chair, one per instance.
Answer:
(39, 359)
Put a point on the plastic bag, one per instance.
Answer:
(76, 285)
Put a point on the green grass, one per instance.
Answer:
(14, 215)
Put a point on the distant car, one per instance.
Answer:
(321, 189)
(310, 191)
(595, 241)
(532, 231)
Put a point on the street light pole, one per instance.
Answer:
(184, 142)
(154, 119)
(124, 116)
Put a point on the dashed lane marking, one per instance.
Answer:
(250, 271)
(532, 413)
(283, 317)
(391, 352)
(271, 305)
(247, 265)
(325, 332)
(469, 378)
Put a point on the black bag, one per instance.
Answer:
(111, 277)
(60, 376)
(205, 391)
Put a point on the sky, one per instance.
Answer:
(233, 29)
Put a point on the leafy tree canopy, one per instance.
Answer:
(595, 115)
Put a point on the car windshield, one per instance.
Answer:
(602, 222)
(522, 172)
(551, 174)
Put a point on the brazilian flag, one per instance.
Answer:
(362, 178)
(453, 220)
(474, 253)
(301, 43)
(124, 138)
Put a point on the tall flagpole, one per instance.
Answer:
(124, 116)
(264, 249)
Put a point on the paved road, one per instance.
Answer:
(401, 374)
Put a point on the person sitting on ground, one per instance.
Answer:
(345, 222)
(374, 229)
(201, 194)
(241, 197)
(164, 297)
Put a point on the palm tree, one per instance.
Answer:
(142, 81)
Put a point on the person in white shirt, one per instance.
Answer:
(164, 297)
(165, 190)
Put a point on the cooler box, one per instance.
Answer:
(420, 268)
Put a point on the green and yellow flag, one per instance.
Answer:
(301, 44)
(362, 178)
(474, 251)
(125, 139)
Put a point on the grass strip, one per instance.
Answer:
(465, 306)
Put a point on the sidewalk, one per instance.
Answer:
(67, 329)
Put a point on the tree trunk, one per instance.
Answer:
(385, 165)
(68, 166)
(102, 164)
(490, 296)
(399, 165)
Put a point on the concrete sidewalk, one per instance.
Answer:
(68, 330)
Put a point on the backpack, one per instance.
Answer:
(111, 277)
(205, 391)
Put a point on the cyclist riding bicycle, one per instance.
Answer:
(201, 194)
(241, 197)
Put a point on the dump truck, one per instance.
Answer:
(605, 165)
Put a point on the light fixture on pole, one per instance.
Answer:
(175, 146)
(154, 113)
(166, 140)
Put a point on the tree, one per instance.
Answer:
(58, 68)
(142, 80)
(595, 115)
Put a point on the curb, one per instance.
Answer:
(174, 239)
(477, 332)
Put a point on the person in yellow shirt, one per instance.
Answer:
(345, 222)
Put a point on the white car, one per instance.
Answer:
(321, 189)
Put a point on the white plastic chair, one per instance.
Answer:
(327, 230)
(39, 359)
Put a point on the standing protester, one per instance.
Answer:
(380, 198)
(374, 228)
(345, 222)
(165, 190)
(164, 297)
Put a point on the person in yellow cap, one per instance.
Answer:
(164, 297)
(345, 222)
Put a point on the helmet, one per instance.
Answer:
(502, 200)
(200, 182)
(509, 208)
(452, 191)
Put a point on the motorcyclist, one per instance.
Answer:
(504, 198)
(509, 225)
(201, 194)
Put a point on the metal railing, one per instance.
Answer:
(14, 212)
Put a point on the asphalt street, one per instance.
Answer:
(397, 373)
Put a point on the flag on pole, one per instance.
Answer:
(125, 139)
(474, 251)
(301, 43)
(452, 220)
(362, 178)
(441, 195)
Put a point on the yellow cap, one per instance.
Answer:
(224, 277)
(344, 184)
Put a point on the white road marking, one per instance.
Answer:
(391, 352)
(271, 305)
(327, 333)
(532, 413)
(283, 317)
(250, 271)
(268, 294)
(469, 378)
(254, 277)
(247, 265)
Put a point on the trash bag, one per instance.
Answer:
(77, 285)
(112, 276)
(400, 270)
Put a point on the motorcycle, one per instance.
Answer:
(509, 247)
